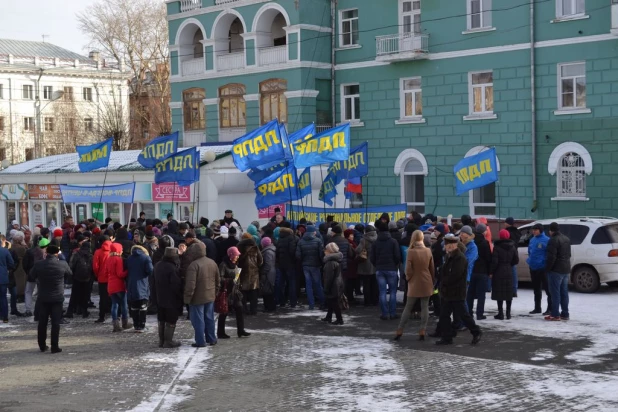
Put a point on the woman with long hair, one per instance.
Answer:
(420, 272)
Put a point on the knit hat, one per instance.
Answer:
(224, 232)
(170, 252)
(96, 231)
(400, 224)
(44, 243)
(265, 242)
(554, 227)
(538, 226)
(441, 228)
(510, 221)
(233, 251)
(504, 234)
(337, 230)
(467, 230)
(392, 225)
(52, 249)
(481, 228)
(370, 228)
(311, 229)
(58, 232)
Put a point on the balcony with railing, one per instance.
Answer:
(193, 138)
(402, 46)
(188, 5)
(192, 66)
(217, 2)
(273, 55)
(231, 61)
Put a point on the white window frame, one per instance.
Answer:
(485, 14)
(414, 118)
(352, 121)
(48, 92)
(48, 124)
(569, 109)
(87, 94)
(560, 11)
(411, 13)
(554, 167)
(88, 121)
(484, 114)
(27, 92)
(341, 20)
(472, 152)
(29, 124)
(400, 166)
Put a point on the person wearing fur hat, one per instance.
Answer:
(227, 271)
(504, 257)
(167, 295)
(139, 267)
(333, 283)
(268, 274)
(453, 293)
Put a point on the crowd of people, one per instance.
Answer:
(167, 268)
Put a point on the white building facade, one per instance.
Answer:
(52, 99)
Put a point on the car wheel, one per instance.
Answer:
(586, 280)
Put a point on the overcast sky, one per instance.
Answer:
(30, 19)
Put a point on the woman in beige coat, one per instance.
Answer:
(421, 280)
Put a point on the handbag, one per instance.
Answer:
(362, 256)
(343, 303)
(221, 303)
(266, 288)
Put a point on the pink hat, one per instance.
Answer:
(504, 234)
(266, 242)
(233, 251)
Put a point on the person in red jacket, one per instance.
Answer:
(98, 262)
(116, 273)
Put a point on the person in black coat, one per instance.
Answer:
(224, 243)
(385, 256)
(333, 282)
(50, 274)
(81, 267)
(480, 273)
(558, 268)
(504, 257)
(286, 262)
(453, 293)
(168, 294)
(212, 252)
(122, 237)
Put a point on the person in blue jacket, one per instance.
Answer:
(472, 251)
(537, 255)
(6, 263)
(139, 266)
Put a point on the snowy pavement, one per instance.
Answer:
(293, 361)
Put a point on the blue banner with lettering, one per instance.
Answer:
(303, 134)
(304, 183)
(94, 156)
(476, 171)
(258, 175)
(347, 217)
(259, 148)
(327, 147)
(98, 194)
(328, 191)
(158, 149)
(279, 187)
(357, 164)
(183, 168)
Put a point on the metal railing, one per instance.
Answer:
(273, 55)
(186, 5)
(319, 128)
(225, 1)
(402, 43)
(231, 61)
(192, 66)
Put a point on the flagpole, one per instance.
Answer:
(173, 198)
(322, 179)
(198, 201)
(366, 199)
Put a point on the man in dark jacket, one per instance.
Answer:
(33, 255)
(509, 225)
(438, 254)
(310, 253)
(212, 252)
(50, 274)
(479, 279)
(81, 267)
(139, 267)
(122, 237)
(167, 294)
(6, 264)
(558, 267)
(286, 261)
(453, 293)
(385, 255)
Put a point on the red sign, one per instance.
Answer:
(44, 192)
(169, 192)
(269, 212)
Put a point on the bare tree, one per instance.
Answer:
(134, 32)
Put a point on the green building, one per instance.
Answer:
(426, 83)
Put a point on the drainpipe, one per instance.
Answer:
(333, 11)
(533, 109)
(11, 119)
(38, 150)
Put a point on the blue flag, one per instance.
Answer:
(258, 175)
(357, 164)
(476, 171)
(327, 147)
(259, 148)
(303, 134)
(328, 191)
(183, 168)
(158, 149)
(279, 187)
(94, 156)
(304, 183)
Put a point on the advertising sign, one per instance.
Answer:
(269, 212)
(44, 192)
(169, 192)
(37, 213)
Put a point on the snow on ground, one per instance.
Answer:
(591, 318)
(188, 364)
(543, 355)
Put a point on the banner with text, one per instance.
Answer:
(317, 215)
(94, 156)
(158, 149)
(183, 168)
(357, 164)
(268, 212)
(476, 171)
(259, 148)
(169, 192)
(330, 146)
(94, 194)
(277, 188)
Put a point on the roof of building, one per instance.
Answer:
(26, 48)
(120, 161)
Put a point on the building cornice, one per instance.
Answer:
(302, 93)
(211, 9)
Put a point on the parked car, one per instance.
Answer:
(594, 250)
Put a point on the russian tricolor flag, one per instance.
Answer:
(354, 185)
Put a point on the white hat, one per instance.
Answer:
(351, 227)
(15, 222)
(224, 232)
(233, 224)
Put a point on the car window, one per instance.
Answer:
(575, 233)
(605, 235)
(526, 235)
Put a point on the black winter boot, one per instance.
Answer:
(169, 335)
(161, 326)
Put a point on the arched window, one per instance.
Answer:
(273, 103)
(483, 200)
(232, 111)
(198, 47)
(570, 162)
(193, 108)
(411, 166)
